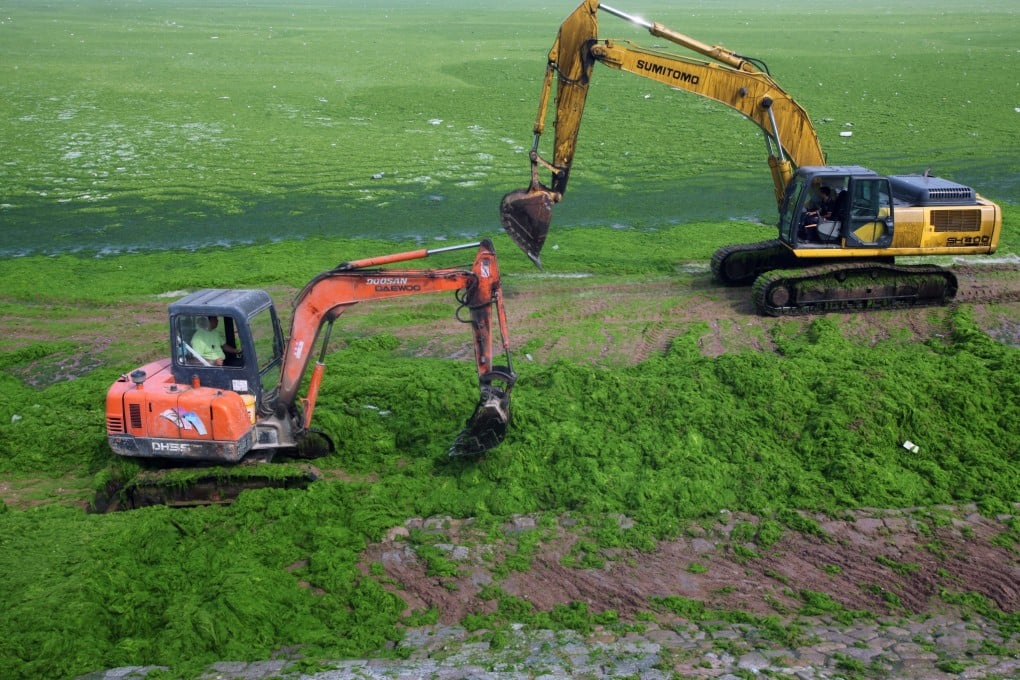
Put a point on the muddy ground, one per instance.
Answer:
(632, 318)
(885, 561)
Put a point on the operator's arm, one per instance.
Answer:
(224, 345)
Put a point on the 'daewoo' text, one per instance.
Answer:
(393, 284)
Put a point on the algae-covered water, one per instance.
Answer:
(158, 125)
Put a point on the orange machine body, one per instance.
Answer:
(153, 416)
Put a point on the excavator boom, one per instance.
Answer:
(333, 292)
(739, 82)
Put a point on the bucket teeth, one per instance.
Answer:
(484, 430)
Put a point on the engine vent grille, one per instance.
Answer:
(956, 220)
(135, 415)
(955, 193)
(931, 191)
(115, 425)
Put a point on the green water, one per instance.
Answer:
(130, 126)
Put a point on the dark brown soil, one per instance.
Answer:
(882, 562)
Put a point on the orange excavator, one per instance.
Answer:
(832, 254)
(228, 394)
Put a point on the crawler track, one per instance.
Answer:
(189, 487)
(740, 264)
(842, 287)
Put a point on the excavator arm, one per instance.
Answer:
(739, 82)
(479, 292)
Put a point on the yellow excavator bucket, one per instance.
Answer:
(525, 215)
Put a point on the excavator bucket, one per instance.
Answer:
(526, 215)
(314, 444)
(487, 426)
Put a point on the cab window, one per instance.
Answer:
(268, 346)
(206, 340)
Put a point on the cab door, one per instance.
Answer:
(868, 222)
(797, 194)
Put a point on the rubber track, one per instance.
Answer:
(847, 287)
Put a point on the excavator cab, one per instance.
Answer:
(245, 321)
(197, 405)
(857, 214)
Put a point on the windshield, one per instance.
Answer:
(788, 221)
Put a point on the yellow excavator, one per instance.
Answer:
(840, 227)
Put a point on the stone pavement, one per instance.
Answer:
(936, 648)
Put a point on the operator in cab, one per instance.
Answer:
(820, 208)
(209, 342)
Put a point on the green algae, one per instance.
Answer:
(818, 426)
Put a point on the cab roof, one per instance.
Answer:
(222, 302)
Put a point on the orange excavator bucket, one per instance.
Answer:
(487, 426)
(525, 215)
